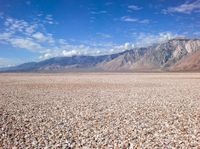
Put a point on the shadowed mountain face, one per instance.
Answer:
(175, 54)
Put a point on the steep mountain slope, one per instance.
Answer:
(190, 62)
(167, 54)
(157, 57)
(125, 61)
(170, 55)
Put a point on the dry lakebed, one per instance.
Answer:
(100, 110)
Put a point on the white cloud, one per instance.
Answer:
(20, 26)
(62, 41)
(187, 8)
(30, 29)
(14, 25)
(128, 45)
(146, 39)
(131, 19)
(49, 19)
(5, 36)
(99, 12)
(98, 52)
(69, 53)
(134, 7)
(26, 35)
(45, 56)
(39, 36)
(42, 38)
(66, 49)
(122, 47)
(25, 43)
(23, 27)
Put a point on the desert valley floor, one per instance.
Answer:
(100, 110)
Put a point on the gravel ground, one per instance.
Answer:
(100, 110)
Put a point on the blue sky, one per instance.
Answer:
(33, 30)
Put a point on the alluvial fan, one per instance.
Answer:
(100, 110)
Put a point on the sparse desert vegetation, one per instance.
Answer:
(100, 110)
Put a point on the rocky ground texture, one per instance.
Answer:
(100, 110)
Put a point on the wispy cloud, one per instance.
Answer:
(187, 8)
(25, 43)
(23, 34)
(129, 19)
(5, 36)
(134, 7)
(103, 35)
(136, 20)
(15, 25)
(99, 12)
(125, 46)
(43, 38)
(147, 39)
(49, 19)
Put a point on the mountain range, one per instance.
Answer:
(179, 54)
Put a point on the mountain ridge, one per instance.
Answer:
(166, 56)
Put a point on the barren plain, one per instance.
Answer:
(100, 110)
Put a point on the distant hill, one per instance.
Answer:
(172, 55)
